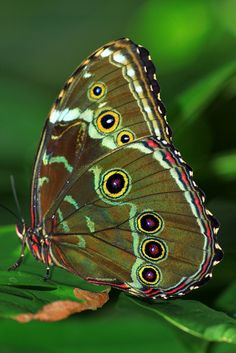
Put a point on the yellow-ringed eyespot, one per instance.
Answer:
(149, 275)
(108, 121)
(124, 136)
(153, 249)
(115, 183)
(96, 91)
(149, 222)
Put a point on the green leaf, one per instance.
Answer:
(19, 279)
(107, 330)
(194, 318)
(222, 348)
(193, 344)
(227, 301)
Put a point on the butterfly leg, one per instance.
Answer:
(20, 259)
(47, 275)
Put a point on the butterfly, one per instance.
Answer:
(112, 200)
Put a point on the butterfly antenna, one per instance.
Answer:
(22, 235)
(11, 212)
(13, 186)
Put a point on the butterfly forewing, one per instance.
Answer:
(129, 93)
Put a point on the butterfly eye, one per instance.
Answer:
(108, 121)
(115, 183)
(97, 91)
(153, 249)
(124, 136)
(149, 222)
(149, 275)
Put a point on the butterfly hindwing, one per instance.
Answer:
(100, 236)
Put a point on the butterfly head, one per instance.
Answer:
(29, 237)
(39, 246)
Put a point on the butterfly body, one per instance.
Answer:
(112, 199)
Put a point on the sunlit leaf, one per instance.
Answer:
(194, 318)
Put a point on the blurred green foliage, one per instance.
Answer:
(193, 45)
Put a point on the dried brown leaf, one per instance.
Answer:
(61, 309)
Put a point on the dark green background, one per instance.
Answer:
(193, 45)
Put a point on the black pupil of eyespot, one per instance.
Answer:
(153, 249)
(125, 138)
(149, 222)
(97, 90)
(107, 121)
(149, 274)
(115, 183)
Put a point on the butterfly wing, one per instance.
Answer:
(135, 219)
(112, 98)
(108, 130)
